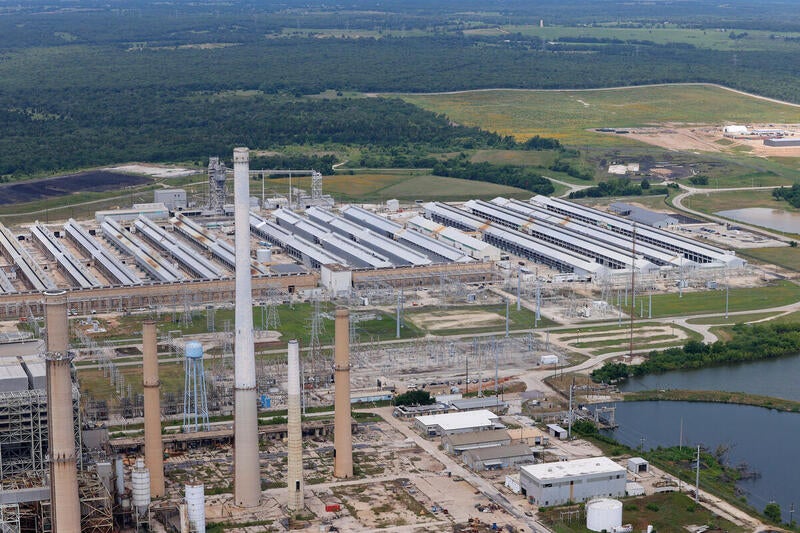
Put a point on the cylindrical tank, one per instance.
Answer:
(603, 514)
(264, 255)
(140, 478)
(120, 475)
(196, 507)
(194, 350)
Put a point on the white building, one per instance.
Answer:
(580, 480)
(461, 422)
(172, 198)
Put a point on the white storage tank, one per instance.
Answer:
(140, 479)
(603, 514)
(264, 255)
(196, 507)
(393, 205)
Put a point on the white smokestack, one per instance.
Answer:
(246, 477)
(294, 471)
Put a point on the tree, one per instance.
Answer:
(414, 397)
(773, 512)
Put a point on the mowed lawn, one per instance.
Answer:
(406, 186)
(713, 301)
(567, 115)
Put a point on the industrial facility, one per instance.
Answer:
(62, 472)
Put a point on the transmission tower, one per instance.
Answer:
(316, 186)
(270, 318)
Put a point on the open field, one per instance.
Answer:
(721, 201)
(786, 256)
(460, 320)
(405, 185)
(713, 301)
(567, 115)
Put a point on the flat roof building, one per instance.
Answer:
(492, 403)
(461, 422)
(497, 457)
(458, 443)
(572, 481)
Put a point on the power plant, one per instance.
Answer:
(202, 435)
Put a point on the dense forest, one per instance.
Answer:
(93, 84)
(513, 176)
(749, 342)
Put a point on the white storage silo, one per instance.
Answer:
(140, 479)
(196, 507)
(603, 514)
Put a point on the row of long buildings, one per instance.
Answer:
(572, 238)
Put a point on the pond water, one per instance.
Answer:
(766, 217)
(763, 439)
(770, 377)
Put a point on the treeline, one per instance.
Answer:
(620, 187)
(321, 163)
(750, 342)
(513, 176)
(790, 194)
(572, 168)
(94, 128)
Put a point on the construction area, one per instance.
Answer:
(170, 365)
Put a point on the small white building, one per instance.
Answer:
(393, 205)
(548, 359)
(461, 422)
(637, 465)
(557, 431)
(580, 480)
(734, 129)
(512, 483)
(337, 279)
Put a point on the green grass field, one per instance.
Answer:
(735, 319)
(713, 301)
(786, 257)
(567, 115)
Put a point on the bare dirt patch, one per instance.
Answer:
(442, 320)
(373, 509)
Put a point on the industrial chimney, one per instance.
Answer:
(294, 474)
(65, 510)
(153, 447)
(247, 473)
(342, 436)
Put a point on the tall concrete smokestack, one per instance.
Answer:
(65, 510)
(247, 474)
(153, 447)
(342, 436)
(294, 474)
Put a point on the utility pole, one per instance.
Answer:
(727, 285)
(507, 309)
(569, 427)
(697, 478)
(519, 282)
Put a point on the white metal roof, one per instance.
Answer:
(576, 468)
(462, 420)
